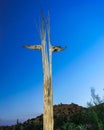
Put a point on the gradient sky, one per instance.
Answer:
(77, 24)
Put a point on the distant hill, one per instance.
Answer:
(66, 117)
(60, 111)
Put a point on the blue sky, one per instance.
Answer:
(77, 24)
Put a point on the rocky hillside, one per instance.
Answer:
(67, 117)
(61, 110)
(67, 110)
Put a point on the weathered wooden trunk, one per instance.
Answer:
(48, 97)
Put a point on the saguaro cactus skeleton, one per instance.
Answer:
(46, 48)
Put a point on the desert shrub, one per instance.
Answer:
(96, 111)
(78, 118)
(72, 126)
(58, 122)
